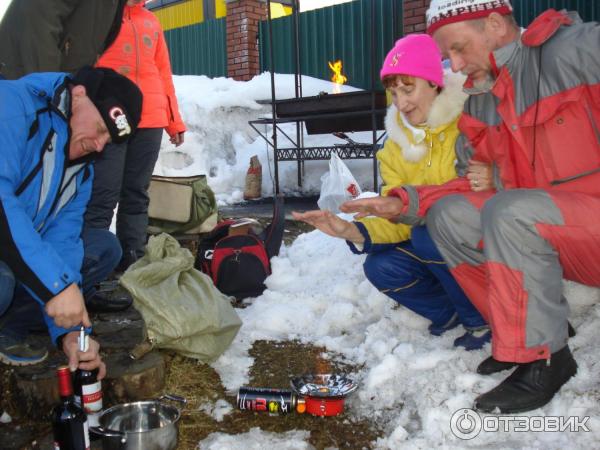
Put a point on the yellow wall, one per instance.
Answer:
(189, 12)
(180, 14)
(220, 8)
(277, 9)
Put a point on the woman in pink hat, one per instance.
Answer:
(423, 147)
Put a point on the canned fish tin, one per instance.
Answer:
(273, 401)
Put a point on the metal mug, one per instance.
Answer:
(143, 425)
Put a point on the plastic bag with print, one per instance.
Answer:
(337, 186)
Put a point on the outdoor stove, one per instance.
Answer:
(325, 113)
(329, 113)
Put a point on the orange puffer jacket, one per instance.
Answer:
(140, 53)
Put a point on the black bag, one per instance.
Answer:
(239, 264)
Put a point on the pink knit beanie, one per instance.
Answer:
(443, 12)
(416, 55)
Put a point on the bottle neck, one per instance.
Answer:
(65, 386)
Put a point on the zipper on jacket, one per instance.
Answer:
(37, 167)
(64, 188)
(574, 177)
(592, 121)
(136, 46)
(430, 152)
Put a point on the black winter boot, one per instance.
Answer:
(530, 386)
(490, 365)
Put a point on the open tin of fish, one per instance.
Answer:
(324, 394)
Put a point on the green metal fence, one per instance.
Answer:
(527, 10)
(199, 49)
(338, 32)
(326, 34)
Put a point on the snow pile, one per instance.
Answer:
(219, 142)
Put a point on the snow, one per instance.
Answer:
(410, 382)
(256, 439)
(217, 410)
(219, 141)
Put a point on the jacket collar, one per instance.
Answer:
(539, 31)
(445, 109)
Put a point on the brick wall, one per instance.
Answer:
(243, 17)
(414, 15)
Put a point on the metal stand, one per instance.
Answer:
(298, 152)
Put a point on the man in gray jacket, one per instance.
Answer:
(56, 35)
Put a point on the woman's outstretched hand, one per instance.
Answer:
(386, 207)
(329, 223)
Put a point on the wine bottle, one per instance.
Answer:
(87, 387)
(69, 422)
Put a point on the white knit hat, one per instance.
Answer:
(443, 12)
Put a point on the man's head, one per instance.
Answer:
(105, 106)
(467, 31)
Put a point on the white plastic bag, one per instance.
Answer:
(337, 186)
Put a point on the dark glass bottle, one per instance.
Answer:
(69, 422)
(88, 393)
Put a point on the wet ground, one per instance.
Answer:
(275, 363)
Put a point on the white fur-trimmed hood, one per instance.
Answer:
(446, 107)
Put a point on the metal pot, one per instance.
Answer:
(145, 425)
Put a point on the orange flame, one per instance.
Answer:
(337, 76)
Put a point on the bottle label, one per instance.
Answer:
(92, 397)
(86, 434)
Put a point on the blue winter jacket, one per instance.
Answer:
(43, 195)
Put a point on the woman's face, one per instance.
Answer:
(414, 100)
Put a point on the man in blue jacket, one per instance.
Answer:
(51, 126)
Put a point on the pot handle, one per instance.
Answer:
(173, 398)
(109, 433)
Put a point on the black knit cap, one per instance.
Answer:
(117, 98)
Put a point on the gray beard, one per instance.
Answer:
(486, 84)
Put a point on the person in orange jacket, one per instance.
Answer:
(122, 175)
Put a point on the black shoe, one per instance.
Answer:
(105, 301)
(490, 365)
(529, 387)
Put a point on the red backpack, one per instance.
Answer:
(239, 264)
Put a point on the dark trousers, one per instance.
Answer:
(122, 175)
(20, 313)
(415, 275)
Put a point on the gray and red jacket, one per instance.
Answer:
(539, 124)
